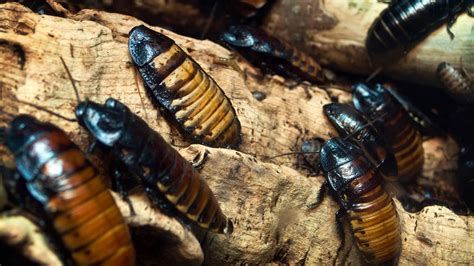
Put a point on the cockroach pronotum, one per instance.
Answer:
(396, 127)
(355, 184)
(272, 55)
(189, 96)
(457, 83)
(350, 122)
(406, 22)
(56, 182)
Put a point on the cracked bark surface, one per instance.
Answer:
(266, 198)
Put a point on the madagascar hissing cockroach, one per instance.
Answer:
(394, 124)
(54, 181)
(272, 55)
(189, 96)
(351, 123)
(356, 185)
(457, 83)
(170, 181)
(405, 23)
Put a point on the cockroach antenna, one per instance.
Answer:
(374, 74)
(293, 153)
(44, 109)
(71, 79)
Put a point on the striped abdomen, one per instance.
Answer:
(406, 22)
(305, 65)
(179, 85)
(169, 175)
(406, 143)
(456, 83)
(80, 207)
(373, 219)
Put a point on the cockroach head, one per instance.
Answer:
(104, 122)
(144, 44)
(22, 130)
(342, 161)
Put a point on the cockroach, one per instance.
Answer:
(405, 23)
(310, 150)
(355, 184)
(272, 55)
(189, 96)
(457, 83)
(170, 181)
(396, 127)
(55, 182)
(351, 123)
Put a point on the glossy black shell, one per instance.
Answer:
(406, 22)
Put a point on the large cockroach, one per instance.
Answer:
(190, 97)
(457, 83)
(170, 181)
(351, 123)
(272, 55)
(396, 127)
(56, 182)
(406, 22)
(356, 185)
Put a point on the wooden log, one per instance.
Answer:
(266, 198)
(334, 32)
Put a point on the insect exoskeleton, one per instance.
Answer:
(353, 125)
(394, 124)
(56, 182)
(457, 83)
(370, 210)
(247, 8)
(170, 181)
(406, 22)
(272, 55)
(190, 97)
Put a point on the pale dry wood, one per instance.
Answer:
(266, 198)
(334, 32)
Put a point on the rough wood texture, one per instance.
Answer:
(334, 33)
(266, 198)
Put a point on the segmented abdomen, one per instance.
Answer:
(83, 211)
(169, 174)
(403, 23)
(373, 219)
(305, 64)
(457, 84)
(406, 143)
(177, 83)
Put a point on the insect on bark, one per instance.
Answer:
(190, 97)
(405, 23)
(272, 55)
(457, 83)
(355, 184)
(54, 181)
(396, 127)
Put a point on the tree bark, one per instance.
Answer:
(266, 198)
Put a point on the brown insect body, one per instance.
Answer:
(396, 127)
(70, 193)
(170, 181)
(370, 209)
(457, 83)
(272, 55)
(178, 84)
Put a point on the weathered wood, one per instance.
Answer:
(334, 32)
(266, 198)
